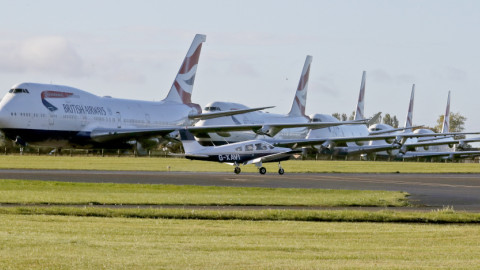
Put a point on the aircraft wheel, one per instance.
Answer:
(281, 171)
(237, 170)
(262, 170)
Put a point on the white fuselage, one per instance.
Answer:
(249, 118)
(61, 116)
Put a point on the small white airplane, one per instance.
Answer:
(63, 116)
(241, 153)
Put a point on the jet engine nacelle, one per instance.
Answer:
(268, 131)
(20, 141)
(358, 143)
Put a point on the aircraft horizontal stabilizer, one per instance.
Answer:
(205, 116)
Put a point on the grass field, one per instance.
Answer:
(56, 242)
(179, 164)
(50, 192)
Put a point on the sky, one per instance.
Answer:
(255, 51)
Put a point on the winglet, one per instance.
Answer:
(374, 119)
(446, 118)
(409, 120)
(190, 145)
(300, 100)
(182, 87)
(359, 112)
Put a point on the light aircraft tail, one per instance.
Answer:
(300, 100)
(190, 145)
(446, 118)
(409, 120)
(359, 112)
(182, 87)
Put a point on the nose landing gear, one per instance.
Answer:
(280, 169)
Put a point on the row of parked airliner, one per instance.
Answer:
(62, 116)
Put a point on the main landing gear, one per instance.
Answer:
(237, 170)
(263, 170)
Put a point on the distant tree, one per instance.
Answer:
(337, 115)
(344, 117)
(457, 123)
(390, 120)
(395, 121)
(387, 119)
(352, 116)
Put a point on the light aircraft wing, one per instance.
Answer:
(272, 157)
(205, 116)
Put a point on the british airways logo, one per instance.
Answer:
(70, 108)
(53, 94)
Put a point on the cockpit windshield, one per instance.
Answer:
(18, 90)
(212, 109)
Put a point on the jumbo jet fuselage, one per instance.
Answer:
(62, 116)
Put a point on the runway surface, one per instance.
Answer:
(461, 191)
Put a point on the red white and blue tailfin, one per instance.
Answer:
(359, 112)
(446, 118)
(300, 100)
(409, 120)
(182, 87)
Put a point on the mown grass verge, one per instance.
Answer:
(437, 216)
(69, 242)
(184, 165)
(64, 193)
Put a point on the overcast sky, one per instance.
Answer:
(255, 51)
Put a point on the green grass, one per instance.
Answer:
(437, 216)
(65, 242)
(179, 164)
(51, 192)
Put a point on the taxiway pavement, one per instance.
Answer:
(460, 191)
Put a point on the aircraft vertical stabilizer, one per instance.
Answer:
(190, 145)
(300, 100)
(446, 118)
(359, 112)
(409, 120)
(182, 87)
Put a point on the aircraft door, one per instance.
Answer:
(119, 120)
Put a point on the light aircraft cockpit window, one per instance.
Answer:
(18, 90)
(249, 147)
(271, 146)
(238, 149)
(258, 146)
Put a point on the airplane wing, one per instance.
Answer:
(101, 135)
(336, 140)
(205, 116)
(378, 132)
(269, 129)
(451, 155)
(272, 157)
(112, 134)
